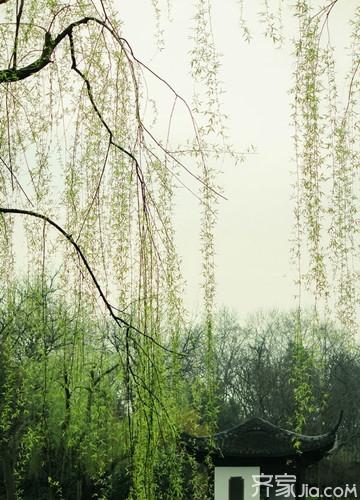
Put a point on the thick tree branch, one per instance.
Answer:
(15, 74)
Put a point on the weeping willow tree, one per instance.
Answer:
(87, 186)
(326, 242)
(87, 195)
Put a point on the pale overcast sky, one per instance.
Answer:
(254, 227)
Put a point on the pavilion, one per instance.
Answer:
(258, 452)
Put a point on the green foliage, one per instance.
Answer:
(93, 410)
(57, 421)
(325, 125)
(65, 404)
(326, 225)
(65, 430)
(78, 150)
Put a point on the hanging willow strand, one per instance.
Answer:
(120, 321)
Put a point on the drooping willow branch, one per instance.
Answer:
(120, 321)
(15, 74)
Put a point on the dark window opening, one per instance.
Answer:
(236, 488)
